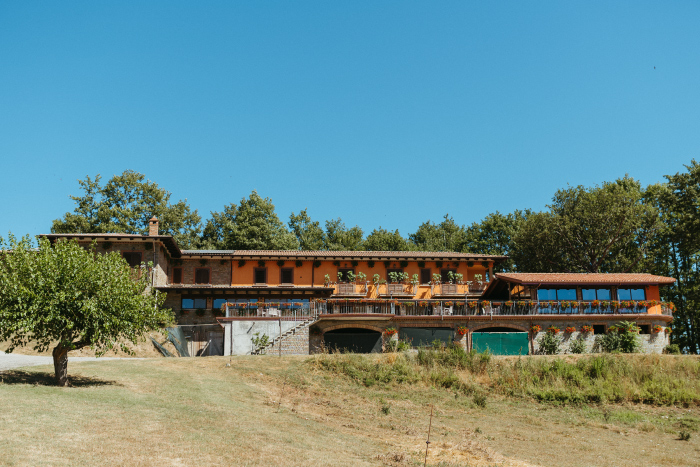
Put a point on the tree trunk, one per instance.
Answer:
(60, 364)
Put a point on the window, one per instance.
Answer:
(556, 294)
(177, 276)
(133, 258)
(445, 275)
(218, 302)
(425, 276)
(201, 275)
(598, 329)
(389, 271)
(595, 294)
(194, 303)
(343, 274)
(631, 294)
(260, 276)
(286, 276)
(644, 329)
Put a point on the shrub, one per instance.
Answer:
(578, 346)
(549, 343)
(673, 349)
(620, 338)
(479, 400)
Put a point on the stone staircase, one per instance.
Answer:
(293, 342)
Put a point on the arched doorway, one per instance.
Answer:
(357, 340)
(501, 340)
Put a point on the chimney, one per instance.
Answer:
(153, 226)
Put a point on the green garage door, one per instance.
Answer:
(353, 340)
(421, 337)
(501, 343)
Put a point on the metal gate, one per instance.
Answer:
(501, 343)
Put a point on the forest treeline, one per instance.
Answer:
(618, 226)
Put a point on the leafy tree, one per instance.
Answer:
(676, 252)
(252, 225)
(494, 236)
(73, 297)
(309, 233)
(385, 240)
(340, 238)
(445, 236)
(125, 204)
(606, 228)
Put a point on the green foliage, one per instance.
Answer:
(606, 228)
(578, 345)
(549, 343)
(252, 225)
(125, 204)
(74, 296)
(385, 240)
(622, 337)
(309, 233)
(340, 238)
(260, 342)
(672, 349)
(494, 235)
(445, 236)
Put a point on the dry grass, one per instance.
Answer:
(268, 410)
(142, 349)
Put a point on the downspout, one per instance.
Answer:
(155, 265)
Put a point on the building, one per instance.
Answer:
(361, 300)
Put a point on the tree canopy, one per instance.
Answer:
(445, 236)
(384, 240)
(124, 205)
(70, 297)
(252, 225)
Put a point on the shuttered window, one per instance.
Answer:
(133, 258)
(287, 276)
(201, 276)
(425, 276)
(260, 276)
(177, 275)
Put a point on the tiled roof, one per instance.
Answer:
(584, 278)
(438, 255)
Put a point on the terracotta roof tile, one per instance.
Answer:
(584, 278)
(438, 255)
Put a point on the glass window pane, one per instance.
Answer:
(566, 294)
(603, 294)
(187, 303)
(546, 294)
(200, 302)
(624, 294)
(218, 302)
(588, 295)
(638, 294)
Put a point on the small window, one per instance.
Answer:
(588, 295)
(644, 329)
(187, 304)
(566, 294)
(546, 294)
(201, 275)
(631, 294)
(217, 303)
(598, 329)
(287, 276)
(177, 275)
(343, 274)
(260, 276)
(133, 258)
(194, 303)
(425, 276)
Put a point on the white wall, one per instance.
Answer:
(238, 334)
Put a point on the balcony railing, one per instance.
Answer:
(485, 308)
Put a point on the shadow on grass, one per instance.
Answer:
(42, 378)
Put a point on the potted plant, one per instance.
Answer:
(461, 330)
(535, 328)
(390, 331)
(570, 330)
(657, 329)
(587, 329)
(553, 329)
(478, 284)
(200, 312)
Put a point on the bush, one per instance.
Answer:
(578, 346)
(397, 346)
(673, 349)
(620, 338)
(549, 343)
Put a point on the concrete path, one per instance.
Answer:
(9, 361)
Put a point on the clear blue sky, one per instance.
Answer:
(381, 113)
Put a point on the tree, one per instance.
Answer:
(606, 228)
(494, 236)
(385, 240)
(125, 205)
(73, 296)
(676, 252)
(253, 225)
(340, 238)
(445, 236)
(309, 233)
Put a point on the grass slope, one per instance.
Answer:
(268, 410)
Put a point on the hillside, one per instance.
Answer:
(323, 410)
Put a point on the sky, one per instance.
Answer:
(382, 113)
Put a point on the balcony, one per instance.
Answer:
(350, 289)
(397, 291)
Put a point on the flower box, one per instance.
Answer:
(535, 328)
(586, 329)
(570, 329)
